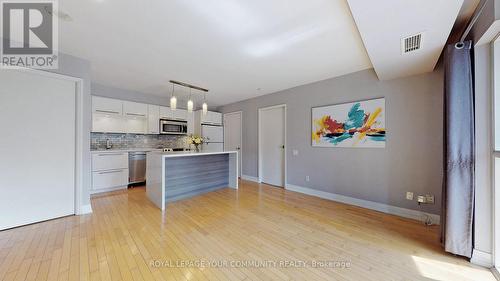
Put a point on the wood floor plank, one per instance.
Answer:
(129, 238)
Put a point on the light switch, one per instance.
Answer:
(295, 152)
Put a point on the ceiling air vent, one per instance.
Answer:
(411, 43)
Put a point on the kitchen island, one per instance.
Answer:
(173, 176)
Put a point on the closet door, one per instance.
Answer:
(37, 166)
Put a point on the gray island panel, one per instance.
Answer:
(190, 176)
(173, 176)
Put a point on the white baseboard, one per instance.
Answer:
(482, 258)
(85, 209)
(398, 211)
(249, 178)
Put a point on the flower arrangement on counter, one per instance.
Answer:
(197, 141)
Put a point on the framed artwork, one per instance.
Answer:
(355, 124)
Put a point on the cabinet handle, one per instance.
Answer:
(110, 172)
(107, 111)
(111, 154)
(136, 114)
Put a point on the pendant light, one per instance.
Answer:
(173, 99)
(204, 107)
(190, 103)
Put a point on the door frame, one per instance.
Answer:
(261, 109)
(80, 209)
(495, 87)
(240, 161)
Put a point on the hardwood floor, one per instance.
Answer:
(128, 238)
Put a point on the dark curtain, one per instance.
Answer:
(458, 183)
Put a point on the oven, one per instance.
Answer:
(173, 127)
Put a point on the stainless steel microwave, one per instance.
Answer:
(173, 127)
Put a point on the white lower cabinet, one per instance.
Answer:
(109, 170)
(109, 161)
(109, 179)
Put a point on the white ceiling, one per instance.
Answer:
(242, 49)
(383, 23)
(231, 47)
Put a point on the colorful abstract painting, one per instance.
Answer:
(357, 124)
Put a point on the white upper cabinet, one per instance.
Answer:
(153, 119)
(165, 112)
(179, 114)
(107, 123)
(211, 117)
(215, 117)
(190, 121)
(117, 116)
(135, 109)
(107, 106)
(136, 125)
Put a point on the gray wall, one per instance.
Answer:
(123, 94)
(412, 160)
(115, 93)
(76, 67)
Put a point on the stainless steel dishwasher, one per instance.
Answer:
(136, 167)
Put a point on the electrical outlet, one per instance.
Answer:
(421, 199)
(429, 199)
(307, 178)
(409, 195)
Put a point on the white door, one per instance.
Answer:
(37, 166)
(232, 135)
(272, 145)
(213, 133)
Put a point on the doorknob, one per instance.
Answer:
(237, 148)
(283, 146)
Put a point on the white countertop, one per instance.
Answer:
(192, 153)
(126, 150)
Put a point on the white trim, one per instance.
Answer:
(495, 272)
(398, 211)
(495, 183)
(85, 209)
(240, 159)
(481, 258)
(250, 178)
(490, 34)
(79, 134)
(260, 142)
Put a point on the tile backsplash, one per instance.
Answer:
(126, 141)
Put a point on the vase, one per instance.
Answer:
(197, 147)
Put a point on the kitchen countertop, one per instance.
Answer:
(126, 150)
(191, 153)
